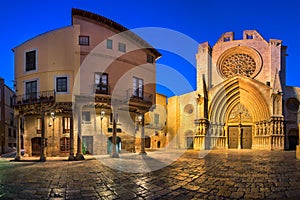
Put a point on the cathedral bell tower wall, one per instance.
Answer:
(204, 67)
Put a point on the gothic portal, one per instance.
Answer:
(241, 100)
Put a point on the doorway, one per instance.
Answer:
(246, 137)
(36, 146)
(110, 145)
(233, 134)
(190, 143)
(246, 142)
(87, 144)
(293, 142)
(147, 141)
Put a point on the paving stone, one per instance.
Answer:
(237, 195)
(225, 174)
(293, 193)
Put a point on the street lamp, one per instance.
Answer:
(139, 119)
(102, 114)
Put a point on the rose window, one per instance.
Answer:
(238, 64)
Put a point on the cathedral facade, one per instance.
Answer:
(241, 100)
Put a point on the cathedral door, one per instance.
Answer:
(246, 142)
(233, 137)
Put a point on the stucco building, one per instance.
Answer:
(241, 100)
(84, 87)
(8, 127)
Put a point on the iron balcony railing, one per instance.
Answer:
(130, 95)
(101, 89)
(36, 97)
(140, 96)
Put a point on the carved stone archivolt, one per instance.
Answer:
(239, 113)
(239, 60)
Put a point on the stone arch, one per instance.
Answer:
(238, 89)
(189, 133)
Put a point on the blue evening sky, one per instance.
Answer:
(200, 20)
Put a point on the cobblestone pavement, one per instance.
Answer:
(229, 174)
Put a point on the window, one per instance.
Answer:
(226, 39)
(15, 133)
(9, 132)
(39, 125)
(249, 37)
(138, 87)
(12, 117)
(101, 83)
(86, 116)
(66, 124)
(109, 44)
(11, 103)
(122, 47)
(30, 60)
(84, 40)
(111, 118)
(22, 123)
(31, 89)
(150, 59)
(156, 119)
(61, 84)
(64, 145)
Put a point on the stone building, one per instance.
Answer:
(241, 101)
(84, 88)
(7, 123)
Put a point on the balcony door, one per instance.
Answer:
(31, 89)
(138, 88)
(101, 83)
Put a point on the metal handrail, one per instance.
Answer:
(35, 97)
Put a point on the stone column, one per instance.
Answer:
(114, 136)
(71, 155)
(18, 155)
(226, 136)
(43, 145)
(143, 152)
(79, 155)
(240, 135)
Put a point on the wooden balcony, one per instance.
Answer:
(34, 98)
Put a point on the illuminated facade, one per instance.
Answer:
(241, 101)
(81, 88)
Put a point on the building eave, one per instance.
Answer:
(116, 26)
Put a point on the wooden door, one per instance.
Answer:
(36, 146)
(233, 134)
(246, 142)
